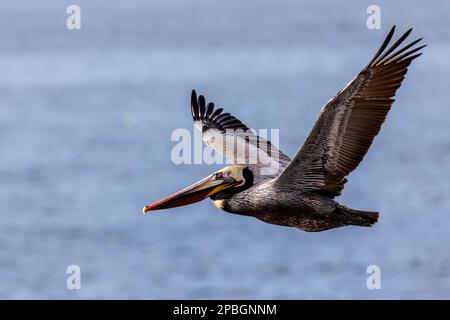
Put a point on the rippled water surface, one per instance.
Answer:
(85, 125)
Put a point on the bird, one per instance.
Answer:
(300, 192)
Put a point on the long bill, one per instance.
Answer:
(194, 193)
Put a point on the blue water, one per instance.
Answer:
(85, 124)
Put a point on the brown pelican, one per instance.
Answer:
(300, 192)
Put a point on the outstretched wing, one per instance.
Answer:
(229, 136)
(349, 122)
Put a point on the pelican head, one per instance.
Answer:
(224, 179)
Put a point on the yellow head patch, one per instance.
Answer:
(218, 204)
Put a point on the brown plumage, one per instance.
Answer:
(349, 121)
(300, 192)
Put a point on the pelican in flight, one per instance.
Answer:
(300, 192)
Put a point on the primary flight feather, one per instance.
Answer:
(300, 192)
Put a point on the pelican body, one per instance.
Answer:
(309, 211)
(300, 192)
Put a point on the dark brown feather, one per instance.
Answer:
(224, 122)
(349, 122)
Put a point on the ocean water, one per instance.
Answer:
(85, 123)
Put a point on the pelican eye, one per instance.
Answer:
(219, 175)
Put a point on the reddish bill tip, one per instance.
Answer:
(146, 209)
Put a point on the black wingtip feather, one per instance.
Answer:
(202, 105)
(216, 113)
(194, 105)
(398, 52)
(383, 56)
(415, 56)
(210, 109)
(383, 45)
(394, 46)
(211, 118)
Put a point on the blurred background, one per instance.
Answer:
(85, 123)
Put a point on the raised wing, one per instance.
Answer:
(349, 122)
(229, 136)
